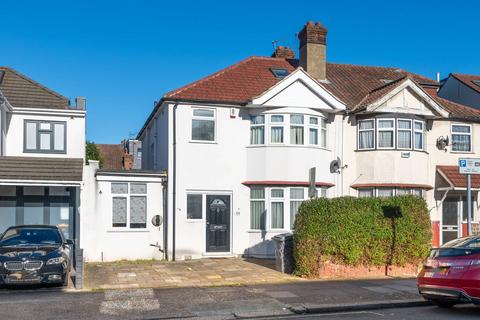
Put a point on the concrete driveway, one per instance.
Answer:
(195, 273)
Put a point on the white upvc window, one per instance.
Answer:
(385, 133)
(366, 192)
(323, 133)
(385, 192)
(297, 196)
(461, 137)
(419, 135)
(203, 124)
(366, 134)
(277, 208)
(258, 213)
(129, 205)
(277, 129)
(313, 131)
(297, 129)
(404, 134)
(257, 129)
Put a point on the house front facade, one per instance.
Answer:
(238, 146)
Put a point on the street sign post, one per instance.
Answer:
(469, 166)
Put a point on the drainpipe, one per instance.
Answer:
(174, 180)
(165, 217)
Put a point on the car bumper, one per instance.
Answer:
(47, 274)
(434, 292)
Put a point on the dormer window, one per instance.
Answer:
(45, 136)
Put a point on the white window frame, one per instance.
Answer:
(470, 134)
(373, 194)
(323, 130)
(391, 129)
(362, 130)
(291, 125)
(314, 127)
(257, 125)
(273, 124)
(422, 132)
(214, 119)
(405, 130)
(128, 195)
(278, 200)
(265, 207)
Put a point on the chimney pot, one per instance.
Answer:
(313, 49)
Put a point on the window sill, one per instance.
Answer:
(462, 152)
(123, 230)
(399, 150)
(203, 142)
(288, 145)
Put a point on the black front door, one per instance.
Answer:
(218, 223)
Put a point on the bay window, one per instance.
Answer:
(461, 137)
(257, 130)
(203, 125)
(313, 131)
(45, 136)
(404, 134)
(366, 133)
(323, 133)
(383, 192)
(296, 129)
(385, 133)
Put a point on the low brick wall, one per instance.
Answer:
(329, 270)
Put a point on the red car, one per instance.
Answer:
(451, 273)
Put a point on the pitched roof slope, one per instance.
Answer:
(457, 179)
(355, 85)
(468, 79)
(41, 169)
(112, 156)
(23, 92)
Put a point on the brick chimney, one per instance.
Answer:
(283, 52)
(313, 50)
(127, 160)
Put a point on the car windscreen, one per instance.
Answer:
(30, 236)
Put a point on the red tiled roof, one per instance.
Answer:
(286, 183)
(112, 156)
(355, 85)
(391, 185)
(468, 79)
(458, 180)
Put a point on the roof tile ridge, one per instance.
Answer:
(41, 86)
(209, 77)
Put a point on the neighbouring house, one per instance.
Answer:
(44, 178)
(461, 88)
(237, 147)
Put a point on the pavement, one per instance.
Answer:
(194, 273)
(218, 302)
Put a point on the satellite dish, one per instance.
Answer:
(442, 142)
(335, 165)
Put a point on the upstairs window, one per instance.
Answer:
(276, 128)
(418, 135)
(313, 131)
(366, 135)
(461, 137)
(45, 136)
(257, 130)
(404, 134)
(385, 134)
(203, 125)
(296, 129)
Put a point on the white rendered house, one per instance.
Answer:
(237, 147)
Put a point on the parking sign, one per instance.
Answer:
(469, 166)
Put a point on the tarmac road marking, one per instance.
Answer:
(121, 301)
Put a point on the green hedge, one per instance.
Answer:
(355, 231)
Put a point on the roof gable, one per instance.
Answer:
(404, 96)
(298, 90)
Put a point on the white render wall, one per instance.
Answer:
(75, 126)
(99, 240)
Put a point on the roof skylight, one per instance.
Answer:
(279, 73)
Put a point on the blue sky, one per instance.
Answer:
(123, 55)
